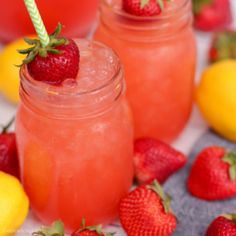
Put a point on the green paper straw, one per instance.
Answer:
(37, 22)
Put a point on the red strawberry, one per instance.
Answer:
(223, 46)
(213, 175)
(143, 7)
(223, 226)
(90, 231)
(146, 211)
(154, 159)
(8, 152)
(212, 14)
(87, 233)
(54, 63)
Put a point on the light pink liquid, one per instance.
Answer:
(75, 142)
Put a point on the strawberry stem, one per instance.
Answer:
(166, 199)
(56, 229)
(199, 4)
(37, 49)
(97, 229)
(230, 158)
(224, 45)
(8, 125)
(145, 2)
(231, 216)
(161, 4)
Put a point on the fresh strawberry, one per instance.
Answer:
(223, 46)
(8, 152)
(154, 159)
(90, 231)
(143, 7)
(54, 63)
(212, 14)
(223, 226)
(146, 211)
(87, 233)
(213, 175)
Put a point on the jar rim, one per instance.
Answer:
(168, 13)
(146, 29)
(28, 79)
(54, 101)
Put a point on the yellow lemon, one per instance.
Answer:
(14, 204)
(216, 97)
(9, 73)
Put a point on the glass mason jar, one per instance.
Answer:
(159, 57)
(75, 141)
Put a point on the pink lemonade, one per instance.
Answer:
(159, 56)
(76, 141)
(78, 17)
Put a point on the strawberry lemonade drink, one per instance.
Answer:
(75, 140)
(157, 47)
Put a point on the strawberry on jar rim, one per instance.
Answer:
(143, 7)
(52, 64)
(146, 211)
(224, 225)
(213, 174)
(154, 159)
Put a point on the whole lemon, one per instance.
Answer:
(216, 97)
(9, 72)
(14, 204)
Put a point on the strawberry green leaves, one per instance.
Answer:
(230, 217)
(38, 49)
(145, 8)
(166, 199)
(56, 229)
(87, 230)
(199, 4)
(230, 158)
(146, 2)
(224, 46)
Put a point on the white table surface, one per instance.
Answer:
(194, 129)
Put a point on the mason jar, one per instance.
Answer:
(75, 141)
(159, 57)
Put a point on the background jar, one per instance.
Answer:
(159, 57)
